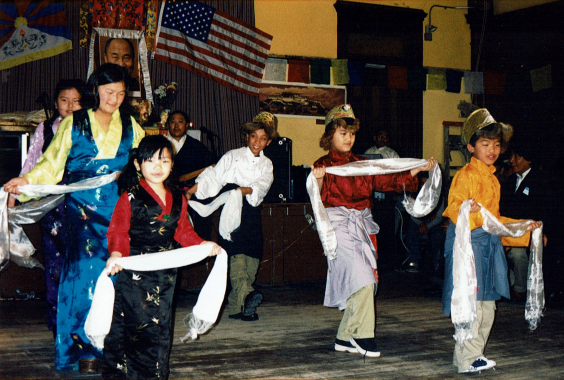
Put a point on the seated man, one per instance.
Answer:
(524, 195)
(190, 154)
(382, 140)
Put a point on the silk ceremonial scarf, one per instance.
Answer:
(205, 312)
(14, 243)
(230, 217)
(426, 201)
(463, 302)
(99, 318)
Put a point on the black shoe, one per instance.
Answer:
(366, 347)
(252, 300)
(250, 318)
(235, 316)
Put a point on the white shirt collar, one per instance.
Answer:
(176, 145)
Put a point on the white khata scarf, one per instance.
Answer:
(205, 311)
(13, 240)
(426, 201)
(463, 303)
(14, 243)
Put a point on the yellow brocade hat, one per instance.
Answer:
(265, 118)
(344, 111)
(476, 120)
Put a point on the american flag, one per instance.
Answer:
(213, 44)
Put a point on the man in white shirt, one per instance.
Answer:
(189, 154)
(382, 140)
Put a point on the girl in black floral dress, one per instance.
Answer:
(149, 217)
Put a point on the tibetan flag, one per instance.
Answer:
(30, 31)
(213, 44)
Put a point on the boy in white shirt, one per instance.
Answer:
(250, 171)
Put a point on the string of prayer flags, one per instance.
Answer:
(320, 71)
(356, 73)
(298, 70)
(541, 78)
(340, 71)
(454, 80)
(397, 77)
(473, 82)
(436, 79)
(494, 83)
(417, 78)
(275, 69)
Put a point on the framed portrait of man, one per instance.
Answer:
(125, 48)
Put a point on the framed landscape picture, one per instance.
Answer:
(289, 99)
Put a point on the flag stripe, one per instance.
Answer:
(217, 45)
(213, 44)
(205, 71)
(247, 34)
(236, 43)
(202, 56)
(242, 25)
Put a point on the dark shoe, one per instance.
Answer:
(88, 366)
(252, 300)
(366, 347)
(250, 318)
(481, 364)
(235, 316)
(344, 346)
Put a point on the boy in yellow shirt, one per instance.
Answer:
(476, 181)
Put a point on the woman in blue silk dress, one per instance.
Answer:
(92, 142)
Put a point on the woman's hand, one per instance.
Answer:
(113, 257)
(12, 185)
(216, 249)
(431, 163)
(319, 172)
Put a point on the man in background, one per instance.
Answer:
(382, 140)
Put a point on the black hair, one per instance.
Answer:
(525, 148)
(493, 131)
(184, 114)
(108, 42)
(352, 126)
(105, 74)
(147, 148)
(248, 128)
(62, 85)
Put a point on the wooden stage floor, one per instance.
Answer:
(294, 340)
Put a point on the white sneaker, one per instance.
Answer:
(480, 364)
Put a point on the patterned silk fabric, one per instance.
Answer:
(140, 337)
(88, 216)
(117, 14)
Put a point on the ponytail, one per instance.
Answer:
(129, 176)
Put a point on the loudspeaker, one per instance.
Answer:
(280, 153)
